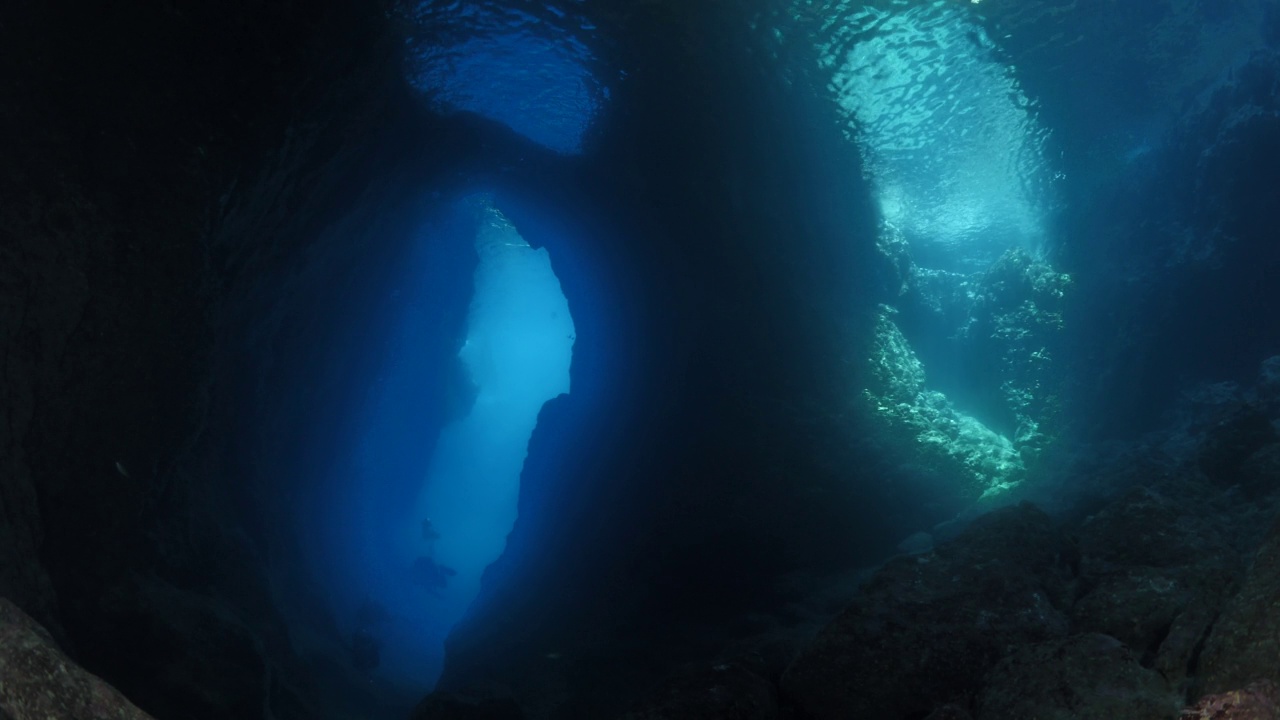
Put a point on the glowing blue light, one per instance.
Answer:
(518, 349)
(527, 72)
(517, 352)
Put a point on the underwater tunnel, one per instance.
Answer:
(563, 359)
(418, 519)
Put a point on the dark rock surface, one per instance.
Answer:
(1244, 646)
(133, 139)
(1155, 573)
(1260, 473)
(949, 712)
(725, 691)
(446, 706)
(39, 682)
(1083, 676)
(1232, 440)
(1258, 701)
(927, 628)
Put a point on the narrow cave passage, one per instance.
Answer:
(420, 518)
(966, 347)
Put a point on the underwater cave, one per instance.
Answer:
(565, 359)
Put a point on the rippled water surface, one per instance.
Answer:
(526, 65)
(950, 141)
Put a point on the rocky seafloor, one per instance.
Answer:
(1150, 590)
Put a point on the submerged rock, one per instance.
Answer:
(1260, 473)
(451, 706)
(1157, 572)
(927, 628)
(1244, 646)
(727, 691)
(916, 544)
(1084, 676)
(1231, 441)
(950, 712)
(1258, 701)
(39, 682)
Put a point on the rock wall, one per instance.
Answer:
(132, 137)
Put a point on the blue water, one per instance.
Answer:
(972, 143)
(950, 140)
(462, 477)
(523, 66)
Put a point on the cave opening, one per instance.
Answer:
(289, 429)
(419, 514)
(967, 340)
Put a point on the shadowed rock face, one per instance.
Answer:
(1244, 646)
(37, 681)
(929, 627)
(1156, 571)
(1084, 676)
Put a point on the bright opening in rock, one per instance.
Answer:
(963, 359)
(517, 351)
(421, 517)
(949, 138)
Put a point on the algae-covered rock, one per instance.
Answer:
(924, 425)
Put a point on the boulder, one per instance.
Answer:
(1231, 441)
(1155, 572)
(927, 628)
(39, 682)
(1083, 676)
(1244, 646)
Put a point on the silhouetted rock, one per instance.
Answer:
(450, 706)
(1084, 676)
(726, 691)
(1260, 473)
(927, 628)
(200, 660)
(38, 682)
(1267, 389)
(950, 712)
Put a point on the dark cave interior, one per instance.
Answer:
(224, 227)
